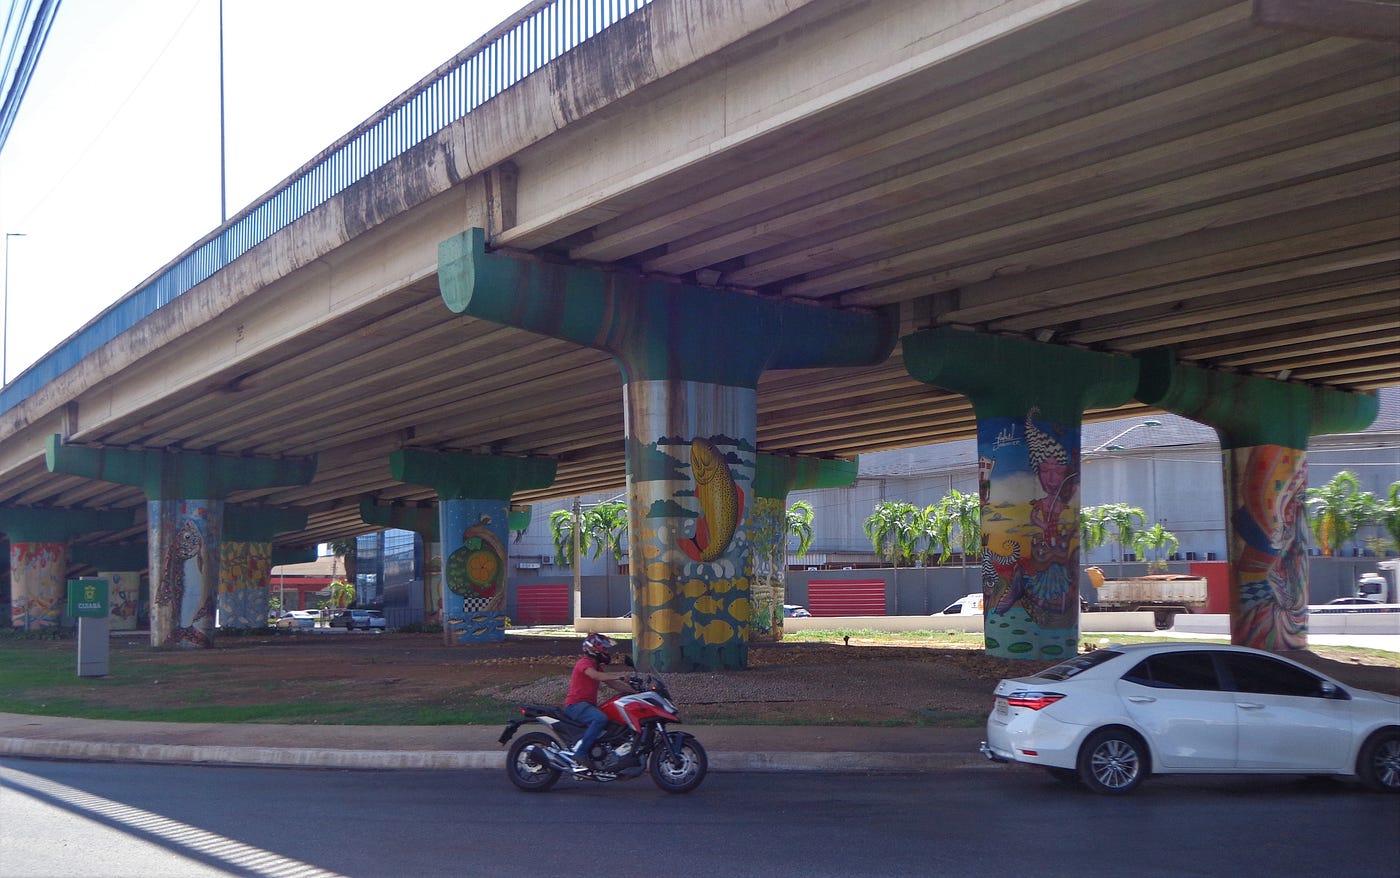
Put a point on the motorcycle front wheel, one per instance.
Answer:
(684, 771)
(526, 765)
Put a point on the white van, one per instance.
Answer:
(967, 605)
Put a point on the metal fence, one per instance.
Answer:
(538, 34)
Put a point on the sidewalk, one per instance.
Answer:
(730, 748)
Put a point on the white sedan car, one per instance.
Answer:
(1111, 717)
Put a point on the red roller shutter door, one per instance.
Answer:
(846, 597)
(543, 603)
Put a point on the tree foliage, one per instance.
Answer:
(799, 524)
(1338, 509)
(891, 530)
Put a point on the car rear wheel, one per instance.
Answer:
(1379, 763)
(1113, 761)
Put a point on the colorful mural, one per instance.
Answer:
(1029, 483)
(38, 583)
(1265, 488)
(474, 577)
(244, 571)
(124, 598)
(767, 527)
(184, 549)
(690, 467)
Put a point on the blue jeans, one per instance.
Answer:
(583, 712)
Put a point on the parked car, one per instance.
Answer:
(1114, 716)
(352, 619)
(298, 619)
(1353, 601)
(795, 612)
(967, 605)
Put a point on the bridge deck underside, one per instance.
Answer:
(1121, 176)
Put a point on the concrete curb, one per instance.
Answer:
(461, 760)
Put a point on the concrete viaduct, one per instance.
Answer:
(713, 250)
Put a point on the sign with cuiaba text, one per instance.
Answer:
(88, 598)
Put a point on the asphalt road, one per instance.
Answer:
(147, 821)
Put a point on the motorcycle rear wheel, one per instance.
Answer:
(527, 767)
(685, 771)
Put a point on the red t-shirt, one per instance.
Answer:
(581, 686)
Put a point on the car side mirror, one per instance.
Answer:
(1332, 690)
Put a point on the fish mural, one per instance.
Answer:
(721, 503)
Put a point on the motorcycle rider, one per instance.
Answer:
(581, 705)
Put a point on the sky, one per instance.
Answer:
(112, 168)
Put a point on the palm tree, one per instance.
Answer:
(890, 529)
(1337, 509)
(606, 524)
(561, 527)
(924, 531)
(1389, 515)
(342, 593)
(960, 513)
(344, 550)
(1158, 539)
(799, 524)
(1119, 520)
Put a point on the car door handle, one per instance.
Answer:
(1141, 699)
(1248, 705)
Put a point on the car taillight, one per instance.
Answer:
(1033, 700)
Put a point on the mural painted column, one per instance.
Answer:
(184, 522)
(776, 477)
(1263, 427)
(245, 561)
(120, 564)
(473, 521)
(424, 522)
(691, 359)
(1029, 399)
(39, 559)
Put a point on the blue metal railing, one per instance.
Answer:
(539, 33)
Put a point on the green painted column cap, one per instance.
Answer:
(176, 475)
(259, 524)
(422, 520)
(776, 476)
(456, 476)
(293, 555)
(25, 525)
(1002, 375)
(1248, 411)
(658, 330)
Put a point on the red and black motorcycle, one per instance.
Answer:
(635, 741)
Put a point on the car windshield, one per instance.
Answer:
(1078, 665)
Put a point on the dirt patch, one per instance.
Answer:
(785, 682)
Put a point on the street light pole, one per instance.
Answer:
(5, 329)
(1109, 444)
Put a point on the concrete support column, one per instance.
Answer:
(121, 565)
(245, 562)
(183, 536)
(774, 479)
(123, 598)
(1029, 399)
(690, 359)
(473, 521)
(690, 471)
(184, 522)
(38, 579)
(39, 559)
(1263, 427)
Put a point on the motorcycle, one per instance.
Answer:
(635, 741)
